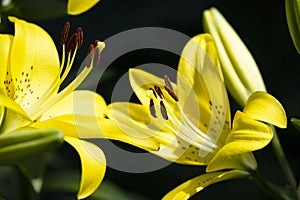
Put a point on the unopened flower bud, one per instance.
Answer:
(241, 74)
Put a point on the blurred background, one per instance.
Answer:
(262, 26)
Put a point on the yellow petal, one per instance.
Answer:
(246, 136)
(93, 165)
(5, 47)
(199, 74)
(10, 104)
(96, 127)
(191, 187)
(264, 107)
(245, 161)
(81, 102)
(135, 121)
(76, 7)
(141, 81)
(236, 60)
(34, 62)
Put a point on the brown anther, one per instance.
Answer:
(168, 82)
(94, 55)
(90, 55)
(91, 47)
(171, 93)
(158, 91)
(153, 91)
(152, 108)
(96, 43)
(72, 42)
(80, 37)
(65, 33)
(96, 60)
(163, 110)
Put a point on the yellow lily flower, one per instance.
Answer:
(76, 7)
(30, 98)
(191, 119)
(241, 73)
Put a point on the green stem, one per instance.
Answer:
(272, 190)
(284, 163)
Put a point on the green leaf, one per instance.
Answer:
(68, 181)
(34, 169)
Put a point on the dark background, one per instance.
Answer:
(261, 25)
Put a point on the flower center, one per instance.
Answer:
(177, 120)
(70, 48)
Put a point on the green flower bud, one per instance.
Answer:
(292, 8)
(241, 74)
(20, 145)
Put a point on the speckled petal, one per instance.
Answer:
(191, 187)
(34, 62)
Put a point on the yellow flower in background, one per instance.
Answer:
(41, 10)
(30, 97)
(242, 76)
(191, 119)
(76, 7)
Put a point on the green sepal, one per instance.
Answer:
(20, 145)
(296, 123)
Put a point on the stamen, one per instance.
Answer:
(80, 37)
(152, 108)
(72, 42)
(89, 58)
(168, 82)
(96, 43)
(153, 91)
(65, 33)
(158, 91)
(97, 54)
(163, 110)
(171, 93)
(187, 135)
(188, 128)
(93, 58)
(91, 47)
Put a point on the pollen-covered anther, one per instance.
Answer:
(72, 43)
(80, 37)
(163, 110)
(65, 33)
(171, 92)
(158, 91)
(152, 108)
